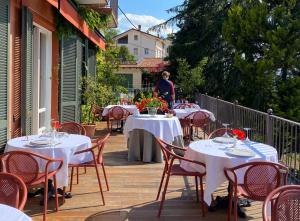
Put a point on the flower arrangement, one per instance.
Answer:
(153, 102)
(238, 134)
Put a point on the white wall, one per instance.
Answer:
(155, 46)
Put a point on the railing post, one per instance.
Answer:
(235, 103)
(269, 127)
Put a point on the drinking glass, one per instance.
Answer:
(247, 134)
(226, 126)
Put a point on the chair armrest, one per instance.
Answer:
(228, 171)
(177, 148)
(59, 160)
(191, 161)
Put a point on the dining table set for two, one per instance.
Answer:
(252, 170)
(46, 159)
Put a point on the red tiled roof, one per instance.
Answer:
(151, 64)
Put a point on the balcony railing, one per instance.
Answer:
(282, 134)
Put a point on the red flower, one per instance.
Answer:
(240, 134)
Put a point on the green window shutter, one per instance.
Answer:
(27, 71)
(71, 70)
(4, 30)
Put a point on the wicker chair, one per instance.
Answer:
(285, 204)
(116, 114)
(93, 163)
(171, 169)
(260, 178)
(72, 128)
(26, 166)
(220, 132)
(13, 191)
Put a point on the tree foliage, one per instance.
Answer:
(252, 47)
(190, 80)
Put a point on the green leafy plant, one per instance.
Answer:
(91, 95)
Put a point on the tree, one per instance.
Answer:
(108, 61)
(265, 39)
(199, 37)
(190, 81)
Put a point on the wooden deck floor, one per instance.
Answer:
(133, 188)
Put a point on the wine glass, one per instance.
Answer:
(247, 134)
(226, 128)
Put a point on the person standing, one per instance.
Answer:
(165, 89)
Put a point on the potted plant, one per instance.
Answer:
(90, 96)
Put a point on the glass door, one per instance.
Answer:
(42, 62)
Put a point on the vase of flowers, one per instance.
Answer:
(152, 110)
(151, 105)
(238, 135)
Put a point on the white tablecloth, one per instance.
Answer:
(160, 126)
(131, 108)
(182, 113)
(65, 150)
(216, 159)
(8, 213)
(195, 106)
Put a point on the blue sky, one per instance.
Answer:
(146, 13)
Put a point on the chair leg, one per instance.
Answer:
(202, 196)
(55, 192)
(105, 177)
(84, 170)
(235, 199)
(161, 182)
(230, 203)
(45, 200)
(63, 196)
(99, 182)
(77, 172)
(163, 195)
(197, 191)
(71, 184)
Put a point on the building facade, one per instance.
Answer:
(142, 44)
(39, 72)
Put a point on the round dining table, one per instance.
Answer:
(63, 148)
(141, 130)
(8, 213)
(131, 108)
(217, 156)
(182, 113)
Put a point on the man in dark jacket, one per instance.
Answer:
(165, 89)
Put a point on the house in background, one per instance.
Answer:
(138, 76)
(149, 51)
(142, 44)
(39, 72)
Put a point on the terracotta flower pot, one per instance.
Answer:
(89, 129)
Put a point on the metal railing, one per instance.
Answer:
(282, 134)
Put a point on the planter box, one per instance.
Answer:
(99, 3)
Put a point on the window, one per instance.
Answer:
(126, 80)
(135, 51)
(136, 37)
(123, 40)
(146, 50)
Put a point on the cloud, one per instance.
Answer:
(146, 21)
